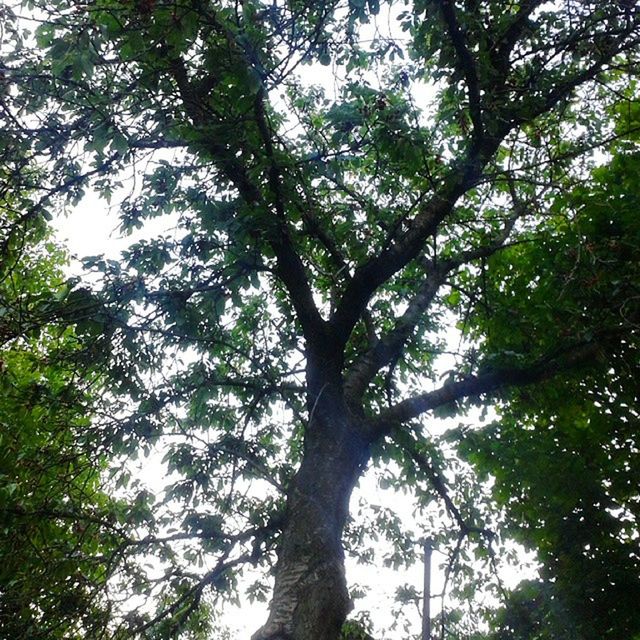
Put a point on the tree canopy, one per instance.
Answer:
(349, 219)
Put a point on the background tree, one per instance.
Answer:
(563, 453)
(54, 527)
(283, 331)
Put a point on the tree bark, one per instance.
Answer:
(310, 598)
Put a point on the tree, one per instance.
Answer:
(53, 511)
(562, 453)
(284, 332)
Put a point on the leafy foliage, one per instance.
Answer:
(532, 611)
(54, 519)
(563, 454)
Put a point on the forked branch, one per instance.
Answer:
(389, 348)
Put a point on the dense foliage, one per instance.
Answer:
(53, 541)
(348, 219)
(563, 453)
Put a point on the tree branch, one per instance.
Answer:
(188, 601)
(371, 275)
(290, 269)
(390, 346)
(461, 177)
(485, 383)
(438, 483)
(561, 90)
(504, 45)
(466, 64)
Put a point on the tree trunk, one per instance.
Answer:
(310, 598)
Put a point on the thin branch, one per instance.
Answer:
(438, 483)
(193, 595)
(466, 64)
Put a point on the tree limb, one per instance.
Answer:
(504, 45)
(438, 484)
(486, 382)
(462, 176)
(290, 268)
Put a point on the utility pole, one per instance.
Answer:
(426, 605)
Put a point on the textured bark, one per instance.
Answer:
(310, 600)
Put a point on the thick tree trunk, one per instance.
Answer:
(310, 599)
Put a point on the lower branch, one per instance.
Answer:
(487, 382)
